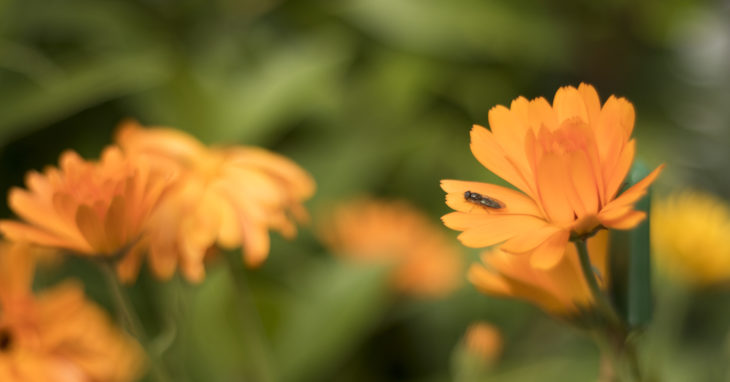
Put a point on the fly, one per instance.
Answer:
(482, 200)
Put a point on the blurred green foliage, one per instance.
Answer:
(371, 96)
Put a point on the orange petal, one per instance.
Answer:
(551, 185)
(528, 241)
(115, 223)
(92, 229)
(510, 132)
(20, 232)
(591, 101)
(635, 192)
(549, 253)
(568, 103)
(39, 213)
(514, 202)
(492, 156)
(255, 243)
(616, 176)
(628, 221)
(584, 182)
(541, 114)
(488, 282)
(499, 228)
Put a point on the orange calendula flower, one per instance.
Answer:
(569, 161)
(90, 208)
(394, 231)
(226, 196)
(560, 290)
(483, 340)
(57, 335)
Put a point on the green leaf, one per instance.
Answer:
(82, 85)
(337, 308)
(464, 29)
(630, 262)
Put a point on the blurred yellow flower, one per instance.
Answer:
(483, 340)
(229, 196)
(57, 335)
(366, 230)
(560, 290)
(690, 232)
(569, 160)
(90, 208)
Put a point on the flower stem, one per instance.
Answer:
(131, 321)
(616, 332)
(602, 303)
(250, 321)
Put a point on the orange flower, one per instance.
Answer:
(57, 336)
(230, 196)
(371, 230)
(483, 340)
(91, 208)
(561, 290)
(569, 160)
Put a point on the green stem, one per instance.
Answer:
(616, 332)
(131, 321)
(604, 306)
(257, 345)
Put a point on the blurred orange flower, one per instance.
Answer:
(569, 160)
(393, 231)
(560, 290)
(229, 196)
(483, 340)
(56, 336)
(90, 208)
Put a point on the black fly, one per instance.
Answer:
(482, 200)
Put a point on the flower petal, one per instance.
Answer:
(616, 176)
(492, 156)
(552, 186)
(634, 193)
(514, 202)
(568, 104)
(528, 241)
(498, 228)
(627, 221)
(549, 253)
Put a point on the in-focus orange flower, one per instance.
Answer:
(90, 208)
(569, 160)
(393, 231)
(226, 196)
(561, 290)
(58, 335)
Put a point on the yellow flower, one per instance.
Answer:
(690, 232)
(226, 196)
(91, 208)
(569, 160)
(56, 336)
(560, 290)
(484, 341)
(426, 264)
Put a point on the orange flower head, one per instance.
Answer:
(226, 196)
(560, 290)
(58, 335)
(366, 230)
(483, 340)
(90, 208)
(569, 161)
